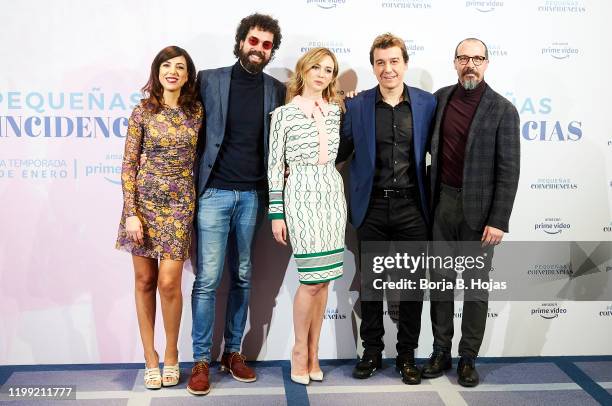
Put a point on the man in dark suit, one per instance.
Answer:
(387, 128)
(475, 162)
(231, 189)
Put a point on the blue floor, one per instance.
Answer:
(512, 381)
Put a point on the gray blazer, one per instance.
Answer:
(214, 85)
(492, 160)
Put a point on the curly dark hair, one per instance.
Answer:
(264, 23)
(154, 90)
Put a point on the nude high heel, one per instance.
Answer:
(301, 379)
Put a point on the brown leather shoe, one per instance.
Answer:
(234, 364)
(198, 381)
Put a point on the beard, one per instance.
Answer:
(470, 84)
(253, 67)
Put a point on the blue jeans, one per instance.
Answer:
(226, 219)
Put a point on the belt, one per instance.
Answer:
(394, 193)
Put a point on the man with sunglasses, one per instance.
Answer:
(475, 161)
(231, 189)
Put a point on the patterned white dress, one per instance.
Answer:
(312, 199)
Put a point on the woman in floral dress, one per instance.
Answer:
(159, 201)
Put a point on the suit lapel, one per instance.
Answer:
(442, 102)
(269, 102)
(368, 112)
(417, 141)
(224, 89)
(268, 99)
(482, 111)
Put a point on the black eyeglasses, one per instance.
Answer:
(464, 59)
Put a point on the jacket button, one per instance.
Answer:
(209, 165)
(217, 145)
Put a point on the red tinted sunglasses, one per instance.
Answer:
(267, 45)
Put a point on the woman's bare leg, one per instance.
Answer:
(305, 305)
(145, 275)
(315, 327)
(171, 295)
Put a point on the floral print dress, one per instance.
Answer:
(161, 191)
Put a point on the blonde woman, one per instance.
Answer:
(309, 206)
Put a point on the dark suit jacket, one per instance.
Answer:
(358, 134)
(492, 160)
(214, 85)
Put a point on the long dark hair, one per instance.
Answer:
(154, 90)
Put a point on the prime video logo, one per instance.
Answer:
(549, 311)
(109, 170)
(485, 6)
(552, 225)
(413, 47)
(326, 4)
(560, 50)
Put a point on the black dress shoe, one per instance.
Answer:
(468, 376)
(411, 375)
(366, 366)
(439, 362)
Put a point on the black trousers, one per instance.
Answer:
(392, 219)
(449, 225)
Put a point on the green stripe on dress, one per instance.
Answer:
(319, 254)
(320, 268)
(319, 261)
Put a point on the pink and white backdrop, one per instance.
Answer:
(71, 71)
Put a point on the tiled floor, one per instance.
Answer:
(554, 381)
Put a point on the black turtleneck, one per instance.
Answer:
(458, 116)
(240, 163)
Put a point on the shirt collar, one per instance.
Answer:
(406, 96)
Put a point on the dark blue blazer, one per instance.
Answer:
(214, 86)
(358, 134)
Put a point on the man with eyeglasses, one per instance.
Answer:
(475, 161)
(231, 189)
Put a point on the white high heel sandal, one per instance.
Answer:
(152, 378)
(171, 375)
